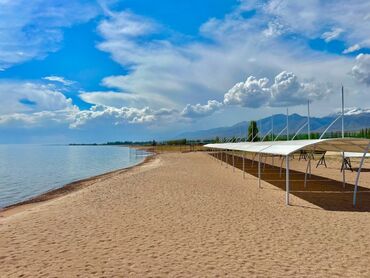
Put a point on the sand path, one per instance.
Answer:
(186, 215)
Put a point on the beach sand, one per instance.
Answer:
(186, 215)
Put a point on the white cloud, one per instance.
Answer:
(32, 29)
(274, 29)
(59, 79)
(352, 48)
(333, 34)
(28, 97)
(198, 110)
(110, 98)
(168, 73)
(105, 115)
(286, 90)
(251, 93)
(313, 18)
(361, 70)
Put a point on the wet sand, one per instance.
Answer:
(185, 214)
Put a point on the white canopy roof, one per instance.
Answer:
(355, 155)
(289, 147)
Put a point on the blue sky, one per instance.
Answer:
(93, 71)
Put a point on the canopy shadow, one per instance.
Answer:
(323, 192)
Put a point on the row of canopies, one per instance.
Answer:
(356, 146)
(350, 145)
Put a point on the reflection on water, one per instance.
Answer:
(30, 170)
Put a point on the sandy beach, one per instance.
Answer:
(186, 215)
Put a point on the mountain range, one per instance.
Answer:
(355, 119)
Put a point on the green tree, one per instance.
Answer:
(253, 131)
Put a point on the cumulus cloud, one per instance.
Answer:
(332, 35)
(123, 115)
(198, 110)
(19, 97)
(286, 90)
(32, 29)
(59, 79)
(251, 93)
(361, 69)
(76, 118)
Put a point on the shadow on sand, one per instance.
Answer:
(323, 192)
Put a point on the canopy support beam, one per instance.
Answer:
(259, 170)
(287, 185)
(307, 168)
(233, 161)
(358, 174)
(243, 165)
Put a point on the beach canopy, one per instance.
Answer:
(355, 155)
(347, 145)
(353, 147)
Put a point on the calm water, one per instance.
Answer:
(29, 170)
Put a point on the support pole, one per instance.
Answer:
(358, 174)
(344, 170)
(308, 120)
(243, 165)
(310, 169)
(307, 168)
(259, 170)
(272, 128)
(287, 124)
(281, 166)
(233, 161)
(264, 164)
(287, 181)
(342, 112)
(254, 156)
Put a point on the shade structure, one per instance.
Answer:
(355, 155)
(287, 148)
(354, 145)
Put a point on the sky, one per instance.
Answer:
(95, 71)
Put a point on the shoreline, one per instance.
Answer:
(68, 189)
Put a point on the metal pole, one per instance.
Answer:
(233, 162)
(281, 166)
(272, 128)
(305, 174)
(342, 111)
(243, 165)
(287, 124)
(287, 180)
(358, 174)
(343, 172)
(308, 120)
(259, 170)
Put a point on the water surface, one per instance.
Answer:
(30, 170)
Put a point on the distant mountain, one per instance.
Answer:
(355, 119)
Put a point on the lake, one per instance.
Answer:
(30, 170)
